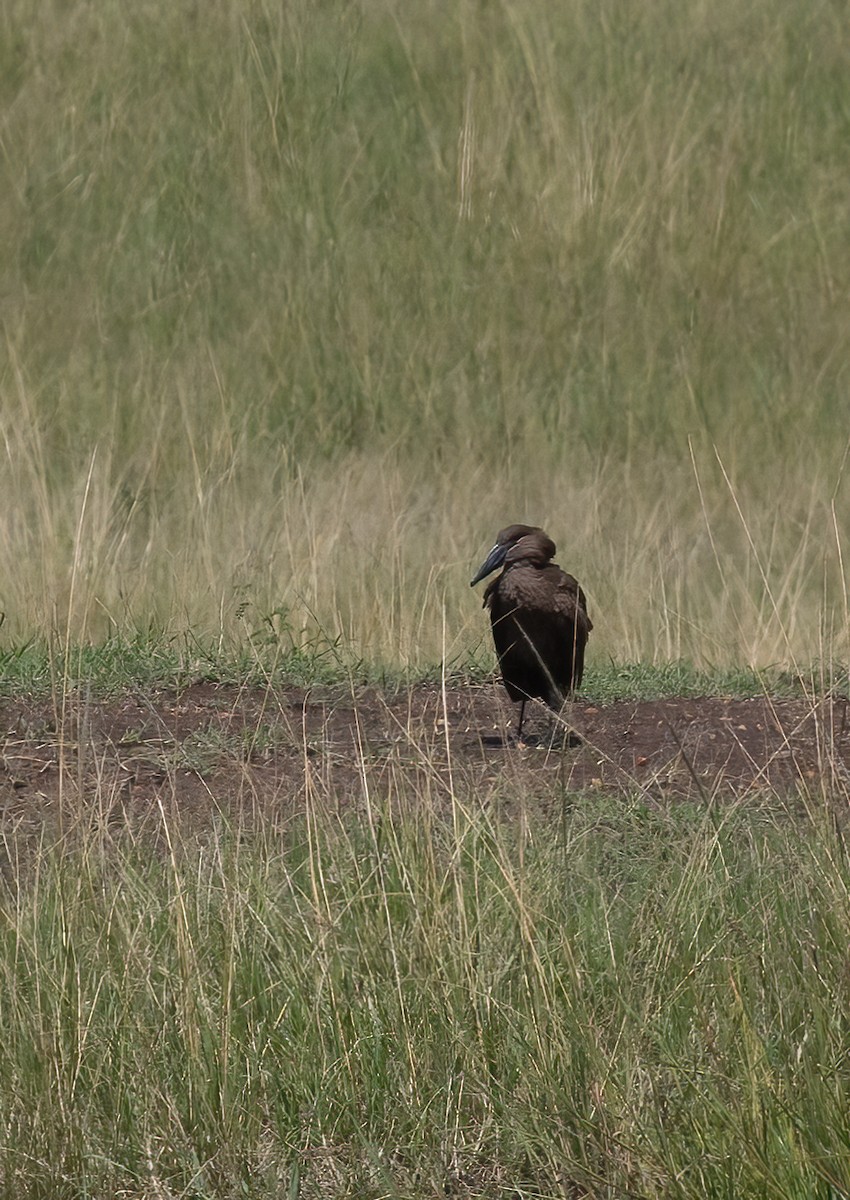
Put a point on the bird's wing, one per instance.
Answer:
(569, 600)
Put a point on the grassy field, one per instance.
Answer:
(622, 1002)
(301, 302)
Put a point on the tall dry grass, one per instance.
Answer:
(303, 303)
(440, 987)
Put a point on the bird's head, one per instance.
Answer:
(514, 544)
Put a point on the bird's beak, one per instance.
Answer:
(494, 559)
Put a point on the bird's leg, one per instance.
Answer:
(563, 731)
(521, 716)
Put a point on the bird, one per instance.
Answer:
(539, 617)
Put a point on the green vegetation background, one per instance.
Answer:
(303, 301)
(300, 303)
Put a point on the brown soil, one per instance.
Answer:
(211, 749)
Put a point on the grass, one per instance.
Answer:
(305, 305)
(302, 303)
(648, 1003)
(153, 660)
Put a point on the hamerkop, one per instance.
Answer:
(539, 618)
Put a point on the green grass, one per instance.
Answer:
(154, 660)
(303, 304)
(618, 1002)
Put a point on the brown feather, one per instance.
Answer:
(539, 617)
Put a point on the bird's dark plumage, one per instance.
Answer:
(539, 618)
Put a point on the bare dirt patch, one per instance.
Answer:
(221, 749)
